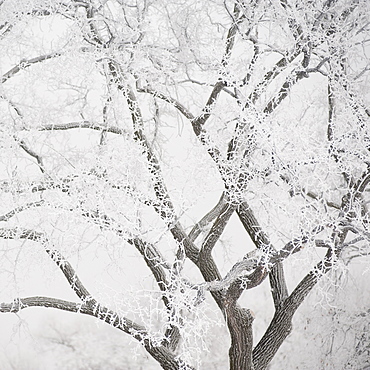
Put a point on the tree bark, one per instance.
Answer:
(239, 321)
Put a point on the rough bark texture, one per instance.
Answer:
(239, 321)
(281, 324)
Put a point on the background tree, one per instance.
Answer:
(121, 121)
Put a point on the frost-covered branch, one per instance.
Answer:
(252, 269)
(279, 289)
(25, 63)
(165, 207)
(163, 355)
(216, 230)
(89, 305)
(15, 211)
(91, 308)
(290, 81)
(207, 218)
(83, 124)
(172, 101)
(281, 324)
(296, 189)
(33, 154)
(66, 268)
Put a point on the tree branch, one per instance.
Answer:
(83, 124)
(206, 219)
(184, 111)
(66, 268)
(258, 236)
(281, 324)
(91, 308)
(236, 279)
(33, 154)
(25, 63)
(19, 209)
(290, 81)
(295, 189)
(22, 143)
(89, 305)
(149, 252)
(279, 67)
(165, 357)
(216, 230)
(165, 207)
(199, 121)
(155, 262)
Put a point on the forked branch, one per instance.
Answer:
(89, 306)
(279, 289)
(281, 324)
(164, 356)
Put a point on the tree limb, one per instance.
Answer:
(25, 63)
(216, 230)
(165, 357)
(89, 305)
(281, 324)
(184, 111)
(66, 268)
(19, 209)
(206, 219)
(83, 124)
(277, 280)
(33, 154)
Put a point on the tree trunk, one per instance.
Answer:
(239, 321)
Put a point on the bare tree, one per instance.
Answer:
(101, 99)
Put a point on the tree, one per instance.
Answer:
(118, 117)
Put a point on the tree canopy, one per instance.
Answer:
(192, 148)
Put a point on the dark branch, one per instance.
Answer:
(23, 64)
(281, 324)
(260, 239)
(216, 230)
(89, 305)
(19, 209)
(184, 111)
(33, 154)
(83, 124)
(206, 219)
(284, 91)
(68, 271)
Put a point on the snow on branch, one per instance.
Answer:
(66, 268)
(89, 305)
(33, 154)
(93, 308)
(47, 302)
(13, 212)
(181, 108)
(25, 63)
(83, 124)
(207, 218)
